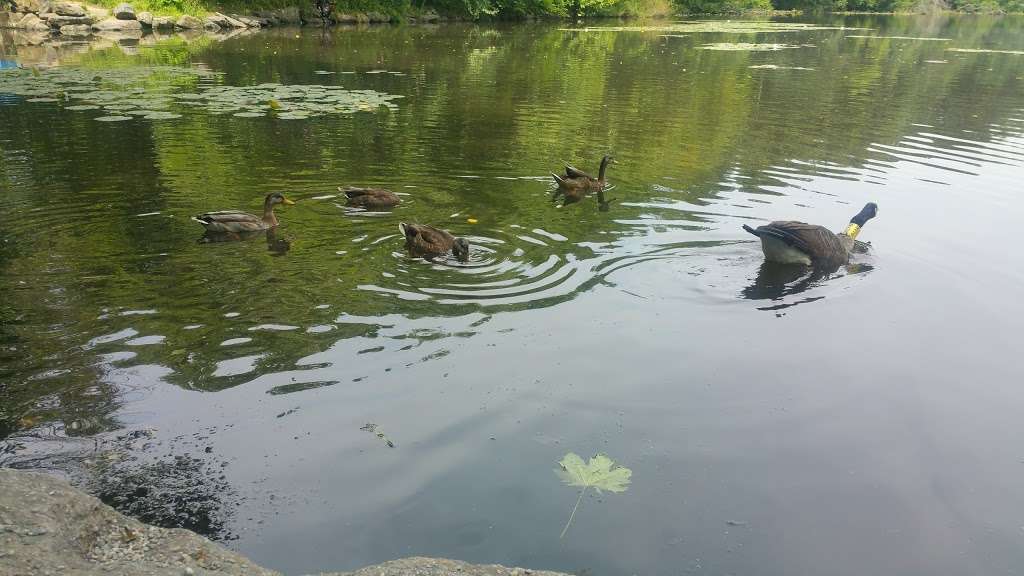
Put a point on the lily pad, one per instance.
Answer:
(113, 118)
(43, 99)
(248, 114)
(161, 115)
(81, 107)
(745, 46)
(985, 51)
(898, 38)
(777, 67)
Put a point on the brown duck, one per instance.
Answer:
(576, 183)
(790, 242)
(234, 221)
(371, 198)
(430, 242)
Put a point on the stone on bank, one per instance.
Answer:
(49, 527)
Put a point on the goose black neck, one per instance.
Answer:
(604, 166)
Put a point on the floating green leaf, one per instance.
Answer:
(113, 118)
(600, 473)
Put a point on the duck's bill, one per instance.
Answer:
(288, 201)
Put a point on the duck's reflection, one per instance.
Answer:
(277, 244)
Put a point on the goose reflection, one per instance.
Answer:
(781, 282)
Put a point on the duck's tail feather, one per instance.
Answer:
(752, 230)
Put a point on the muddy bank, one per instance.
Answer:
(49, 527)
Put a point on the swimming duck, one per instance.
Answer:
(372, 198)
(429, 242)
(233, 221)
(789, 242)
(576, 182)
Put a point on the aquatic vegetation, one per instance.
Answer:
(985, 51)
(744, 46)
(150, 93)
(716, 26)
(600, 473)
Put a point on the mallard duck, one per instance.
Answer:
(576, 182)
(233, 221)
(373, 198)
(789, 242)
(429, 242)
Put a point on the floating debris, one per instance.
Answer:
(936, 61)
(374, 429)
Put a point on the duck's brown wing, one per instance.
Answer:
(818, 242)
(230, 221)
(436, 237)
(370, 197)
(572, 172)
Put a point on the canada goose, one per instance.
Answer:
(373, 198)
(789, 242)
(233, 221)
(576, 182)
(429, 242)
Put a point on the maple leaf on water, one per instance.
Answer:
(600, 473)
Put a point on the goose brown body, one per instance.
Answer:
(372, 198)
(236, 221)
(430, 242)
(792, 242)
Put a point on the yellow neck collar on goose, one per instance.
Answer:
(852, 230)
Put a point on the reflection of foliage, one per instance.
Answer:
(600, 473)
(182, 492)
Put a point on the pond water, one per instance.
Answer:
(776, 421)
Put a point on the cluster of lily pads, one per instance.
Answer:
(720, 26)
(160, 93)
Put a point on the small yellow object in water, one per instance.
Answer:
(471, 220)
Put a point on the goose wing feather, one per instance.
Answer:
(816, 241)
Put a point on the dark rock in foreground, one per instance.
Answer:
(49, 527)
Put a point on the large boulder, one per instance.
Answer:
(30, 6)
(225, 21)
(146, 19)
(163, 22)
(124, 12)
(189, 23)
(115, 24)
(56, 21)
(32, 22)
(378, 17)
(248, 21)
(76, 30)
(210, 26)
(68, 9)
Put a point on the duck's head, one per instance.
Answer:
(461, 249)
(276, 198)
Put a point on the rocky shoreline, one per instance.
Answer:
(47, 527)
(77, 20)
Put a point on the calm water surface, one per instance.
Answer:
(776, 421)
